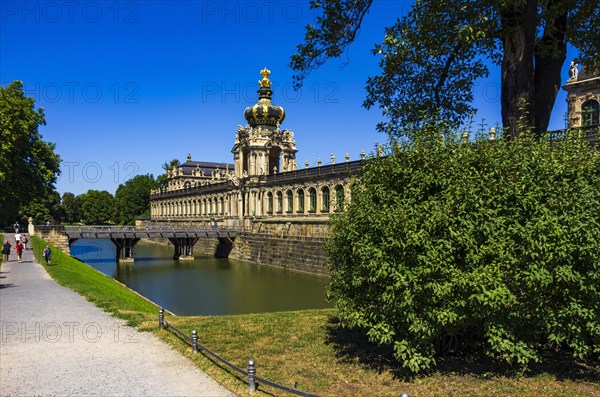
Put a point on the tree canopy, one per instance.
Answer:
(71, 207)
(96, 207)
(133, 199)
(431, 58)
(28, 165)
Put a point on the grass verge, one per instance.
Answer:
(310, 347)
(96, 287)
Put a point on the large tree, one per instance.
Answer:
(133, 199)
(28, 164)
(97, 207)
(431, 58)
(71, 207)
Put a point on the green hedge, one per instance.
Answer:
(493, 245)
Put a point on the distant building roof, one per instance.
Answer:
(207, 168)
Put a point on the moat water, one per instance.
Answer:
(207, 285)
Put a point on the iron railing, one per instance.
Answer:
(589, 133)
(253, 379)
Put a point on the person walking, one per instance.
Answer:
(19, 250)
(17, 237)
(47, 254)
(16, 226)
(6, 250)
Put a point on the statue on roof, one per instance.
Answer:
(573, 72)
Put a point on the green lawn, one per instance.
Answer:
(309, 347)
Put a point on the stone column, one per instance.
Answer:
(240, 209)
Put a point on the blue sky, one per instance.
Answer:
(128, 85)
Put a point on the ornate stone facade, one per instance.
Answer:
(583, 88)
(263, 190)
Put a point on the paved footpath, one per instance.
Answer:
(55, 343)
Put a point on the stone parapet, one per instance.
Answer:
(54, 235)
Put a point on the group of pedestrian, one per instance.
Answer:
(21, 246)
(20, 243)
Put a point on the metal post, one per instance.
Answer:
(195, 341)
(161, 318)
(251, 374)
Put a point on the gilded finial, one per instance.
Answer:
(189, 157)
(265, 82)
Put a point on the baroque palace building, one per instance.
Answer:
(583, 97)
(281, 207)
(264, 186)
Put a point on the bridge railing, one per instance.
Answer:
(100, 227)
(105, 228)
(253, 379)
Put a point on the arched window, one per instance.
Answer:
(325, 202)
(221, 206)
(279, 202)
(339, 198)
(590, 111)
(290, 201)
(312, 192)
(270, 203)
(301, 201)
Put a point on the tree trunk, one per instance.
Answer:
(518, 87)
(550, 56)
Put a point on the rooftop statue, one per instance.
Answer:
(573, 72)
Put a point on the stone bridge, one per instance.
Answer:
(126, 237)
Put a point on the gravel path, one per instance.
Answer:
(55, 343)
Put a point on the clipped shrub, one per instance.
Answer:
(493, 245)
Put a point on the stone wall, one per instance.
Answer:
(305, 254)
(296, 244)
(54, 235)
(206, 246)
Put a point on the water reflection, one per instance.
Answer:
(205, 286)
